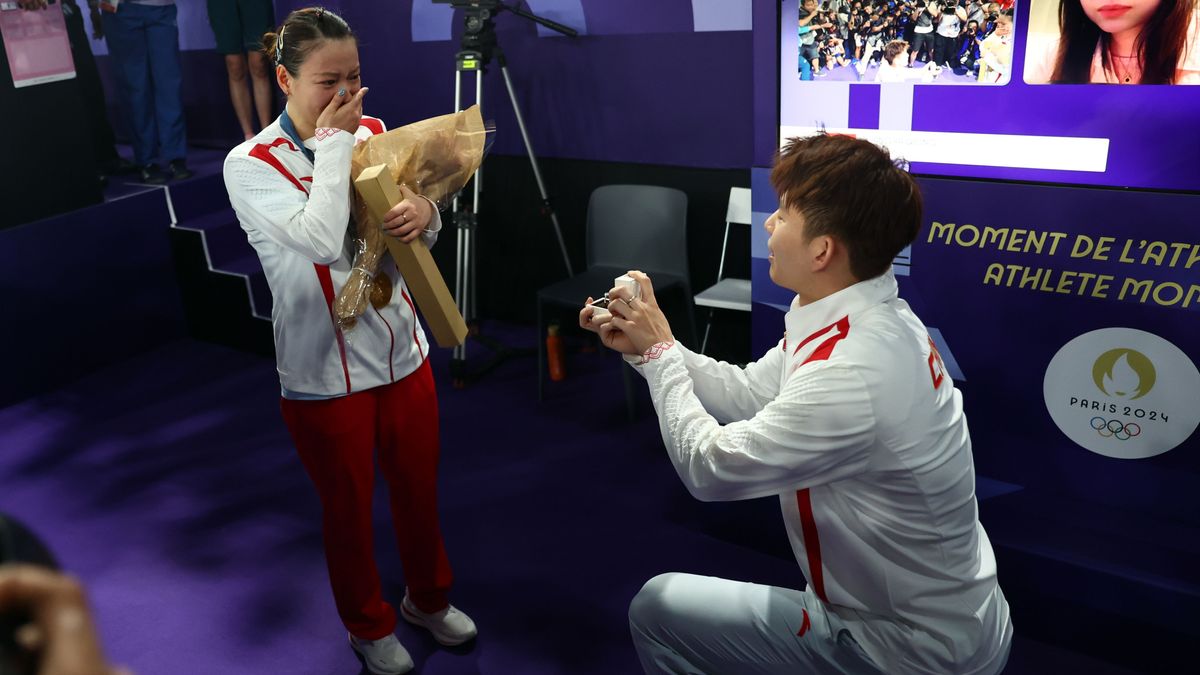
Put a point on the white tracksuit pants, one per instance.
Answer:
(688, 624)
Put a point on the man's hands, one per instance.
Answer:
(409, 218)
(61, 630)
(634, 324)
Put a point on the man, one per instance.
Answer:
(807, 24)
(852, 421)
(143, 40)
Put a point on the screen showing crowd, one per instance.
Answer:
(941, 41)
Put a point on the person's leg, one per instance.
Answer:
(104, 143)
(264, 88)
(258, 17)
(942, 51)
(408, 457)
(807, 67)
(224, 16)
(872, 52)
(336, 439)
(685, 624)
(162, 34)
(239, 93)
(125, 33)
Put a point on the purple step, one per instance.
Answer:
(228, 251)
(223, 237)
(198, 196)
(260, 292)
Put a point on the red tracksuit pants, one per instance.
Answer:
(337, 439)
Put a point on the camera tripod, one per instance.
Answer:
(479, 46)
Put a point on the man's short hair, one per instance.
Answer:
(893, 49)
(852, 190)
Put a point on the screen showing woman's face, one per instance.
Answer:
(1119, 16)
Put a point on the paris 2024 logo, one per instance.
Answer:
(1122, 392)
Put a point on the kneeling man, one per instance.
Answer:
(853, 422)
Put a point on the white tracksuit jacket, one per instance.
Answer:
(295, 213)
(853, 422)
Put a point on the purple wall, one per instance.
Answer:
(652, 83)
(642, 85)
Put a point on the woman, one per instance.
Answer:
(346, 393)
(995, 52)
(1122, 42)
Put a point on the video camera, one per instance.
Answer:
(479, 25)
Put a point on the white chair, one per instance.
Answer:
(731, 293)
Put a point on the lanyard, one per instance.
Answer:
(290, 129)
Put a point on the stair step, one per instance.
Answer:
(260, 292)
(225, 293)
(198, 197)
(223, 236)
(227, 250)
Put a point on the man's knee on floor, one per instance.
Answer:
(650, 606)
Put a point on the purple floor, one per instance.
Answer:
(167, 483)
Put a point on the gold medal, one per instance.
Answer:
(381, 291)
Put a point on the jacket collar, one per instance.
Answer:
(805, 322)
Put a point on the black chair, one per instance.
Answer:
(642, 227)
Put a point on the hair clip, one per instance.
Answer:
(279, 46)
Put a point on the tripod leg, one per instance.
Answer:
(458, 361)
(537, 173)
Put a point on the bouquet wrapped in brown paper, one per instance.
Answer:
(435, 158)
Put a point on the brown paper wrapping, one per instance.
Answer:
(434, 158)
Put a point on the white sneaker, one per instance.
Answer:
(385, 656)
(450, 626)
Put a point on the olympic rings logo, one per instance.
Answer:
(1116, 428)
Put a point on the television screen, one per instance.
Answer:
(1085, 92)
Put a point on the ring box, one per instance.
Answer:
(623, 281)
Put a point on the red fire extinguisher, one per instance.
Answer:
(554, 354)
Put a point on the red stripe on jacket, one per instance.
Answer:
(808, 524)
(327, 288)
(373, 124)
(263, 151)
